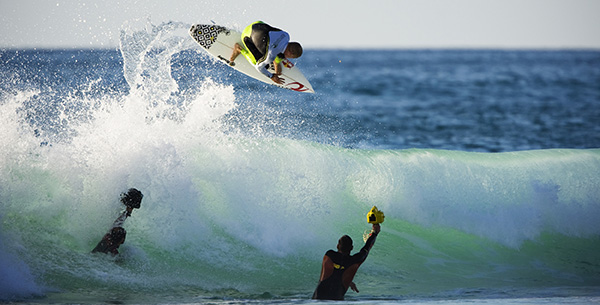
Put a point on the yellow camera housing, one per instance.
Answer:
(375, 216)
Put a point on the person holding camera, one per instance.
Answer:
(339, 267)
(116, 236)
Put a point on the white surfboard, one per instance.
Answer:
(218, 41)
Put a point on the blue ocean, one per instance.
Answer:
(485, 162)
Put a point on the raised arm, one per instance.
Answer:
(121, 219)
(370, 242)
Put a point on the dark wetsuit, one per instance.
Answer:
(263, 45)
(106, 246)
(258, 41)
(111, 241)
(333, 288)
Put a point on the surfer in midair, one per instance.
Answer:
(116, 236)
(339, 267)
(263, 45)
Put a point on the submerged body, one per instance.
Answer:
(115, 237)
(111, 241)
(339, 268)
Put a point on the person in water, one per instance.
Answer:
(339, 267)
(263, 45)
(111, 241)
(116, 236)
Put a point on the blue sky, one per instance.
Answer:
(318, 23)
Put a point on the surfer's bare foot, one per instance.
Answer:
(237, 49)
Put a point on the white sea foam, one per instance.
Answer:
(225, 210)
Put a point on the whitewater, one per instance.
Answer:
(240, 206)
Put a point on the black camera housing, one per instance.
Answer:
(132, 199)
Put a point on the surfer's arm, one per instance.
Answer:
(121, 219)
(326, 268)
(277, 67)
(371, 240)
(278, 43)
(361, 256)
(358, 259)
(262, 68)
(275, 76)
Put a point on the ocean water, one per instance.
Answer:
(485, 162)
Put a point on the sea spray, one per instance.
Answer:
(235, 214)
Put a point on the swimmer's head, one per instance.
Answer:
(117, 236)
(345, 244)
